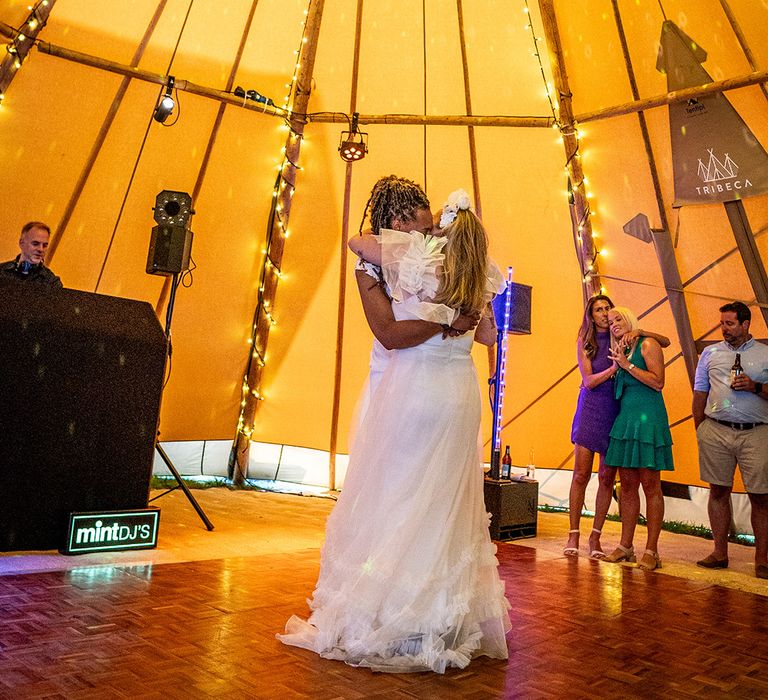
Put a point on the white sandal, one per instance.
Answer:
(571, 551)
(597, 554)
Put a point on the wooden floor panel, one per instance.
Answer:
(206, 629)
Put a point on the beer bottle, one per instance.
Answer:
(736, 370)
(506, 464)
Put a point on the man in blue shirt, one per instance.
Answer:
(731, 417)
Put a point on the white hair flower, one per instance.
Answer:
(456, 200)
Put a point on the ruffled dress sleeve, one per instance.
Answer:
(495, 282)
(369, 268)
(410, 264)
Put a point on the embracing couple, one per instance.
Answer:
(408, 574)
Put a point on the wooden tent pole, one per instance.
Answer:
(147, 76)
(581, 224)
(661, 238)
(468, 103)
(413, 119)
(273, 257)
(434, 120)
(754, 78)
(742, 40)
(675, 96)
(168, 280)
(343, 265)
(101, 137)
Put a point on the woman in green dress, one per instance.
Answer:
(640, 444)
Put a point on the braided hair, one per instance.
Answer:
(393, 198)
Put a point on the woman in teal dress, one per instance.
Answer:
(640, 443)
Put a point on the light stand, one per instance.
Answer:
(172, 210)
(496, 382)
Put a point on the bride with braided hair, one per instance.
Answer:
(408, 573)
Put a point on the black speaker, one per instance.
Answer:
(169, 250)
(81, 378)
(519, 309)
(513, 506)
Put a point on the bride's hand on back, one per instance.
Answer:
(466, 321)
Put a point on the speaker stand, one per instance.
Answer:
(181, 485)
(179, 482)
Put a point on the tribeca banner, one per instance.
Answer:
(715, 156)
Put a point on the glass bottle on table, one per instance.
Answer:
(530, 472)
(506, 465)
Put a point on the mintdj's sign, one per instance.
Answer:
(715, 156)
(112, 531)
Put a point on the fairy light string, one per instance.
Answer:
(21, 41)
(277, 231)
(578, 192)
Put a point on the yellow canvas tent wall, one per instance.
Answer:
(80, 151)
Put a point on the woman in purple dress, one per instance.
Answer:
(595, 412)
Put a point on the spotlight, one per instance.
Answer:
(170, 246)
(165, 107)
(173, 208)
(354, 143)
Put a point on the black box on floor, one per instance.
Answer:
(513, 506)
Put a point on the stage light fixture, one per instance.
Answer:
(165, 107)
(173, 208)
(354, 143)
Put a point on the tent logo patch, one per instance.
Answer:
(720, 175)
(694, 107)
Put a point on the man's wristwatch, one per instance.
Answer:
(758, 388)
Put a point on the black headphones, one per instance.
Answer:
(24, 267)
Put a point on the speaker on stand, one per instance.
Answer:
(513, 505)
(170, 249)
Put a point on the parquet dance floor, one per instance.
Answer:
(201, 629)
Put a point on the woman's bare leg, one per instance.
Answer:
(606, 477)
(654, 511)
(582, 473)
(630, 504)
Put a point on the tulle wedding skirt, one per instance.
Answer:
(408, 576)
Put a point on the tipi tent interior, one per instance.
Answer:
(554, 115)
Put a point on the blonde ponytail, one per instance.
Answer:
(466, 263)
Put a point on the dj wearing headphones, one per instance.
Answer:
(29, 265)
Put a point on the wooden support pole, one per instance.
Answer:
(343, 265)
(276, 241)
(434, 120)
(755, 78)
(750, 255)
(669, 98)
(665, 251)
(468, 104)
(580, 208)
(742, 39)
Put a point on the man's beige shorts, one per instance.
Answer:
(721, 448)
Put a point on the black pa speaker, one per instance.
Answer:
(169, 250)
(513, 506)
(82, 377)
(519, 309)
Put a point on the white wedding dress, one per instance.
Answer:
(408, 574)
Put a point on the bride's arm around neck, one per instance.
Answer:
(366, 246)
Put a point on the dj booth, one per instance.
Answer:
(81, 379)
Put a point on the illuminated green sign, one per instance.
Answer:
(112, 531)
